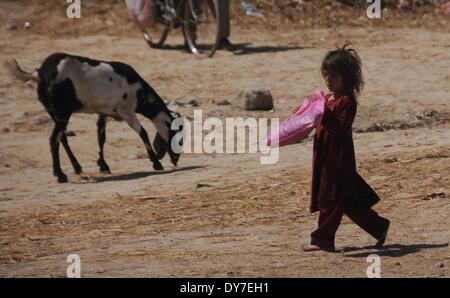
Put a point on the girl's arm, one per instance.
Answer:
(341, 118)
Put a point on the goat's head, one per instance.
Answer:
(174, 145)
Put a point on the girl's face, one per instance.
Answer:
(334, 81)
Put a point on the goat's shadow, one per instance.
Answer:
(392, 250)
(138, 175)
(242, 48)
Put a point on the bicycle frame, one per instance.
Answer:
(169, 10)
(172, 14)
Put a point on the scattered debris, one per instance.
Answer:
(45, 221)
(37, 238)
(201, 185)
(390, 160)
(70, 133)
(41, 120)
(109, 23)
(193, 103)
(173, 200)
(11, 26)
(189, 104)
(419, 119)
(438, 193)
(384, 126)
(436, 177)
(149, 198)
(224, 103)
(249, 10)
(139, 155)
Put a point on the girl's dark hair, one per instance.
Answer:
(346, 62)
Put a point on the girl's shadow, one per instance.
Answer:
(392, 250)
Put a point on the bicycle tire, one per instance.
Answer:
(155, 37)
(201, 27)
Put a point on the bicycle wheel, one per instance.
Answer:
(156, 35)
(201, 26)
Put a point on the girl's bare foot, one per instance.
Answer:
(383, 237)
(311, 248)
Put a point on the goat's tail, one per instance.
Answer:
(12, 65)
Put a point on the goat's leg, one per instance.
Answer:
(55, 138)
(101, 136)
(75, 164)
(133, 121)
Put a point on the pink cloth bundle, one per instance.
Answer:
(299, 125)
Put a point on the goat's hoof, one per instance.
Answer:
(62, 178)
(78, 170)
(158, 167)
(105, 171)
(104, 168)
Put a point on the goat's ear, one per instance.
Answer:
(160, 146)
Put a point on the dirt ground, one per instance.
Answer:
(226, 215)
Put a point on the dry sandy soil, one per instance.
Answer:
(226, 215)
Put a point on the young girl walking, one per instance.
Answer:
(337, 188)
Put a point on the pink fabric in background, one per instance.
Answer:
(142, 12)
(446, 8)
(299, 125)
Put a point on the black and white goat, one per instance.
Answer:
(70, 84)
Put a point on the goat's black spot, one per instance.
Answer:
(126, 71)
(115, 110)
(90, 62)
(140, 95)
(149, 102)
(110, 79)
(47, 73)
(63, 99)
(125, 96)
